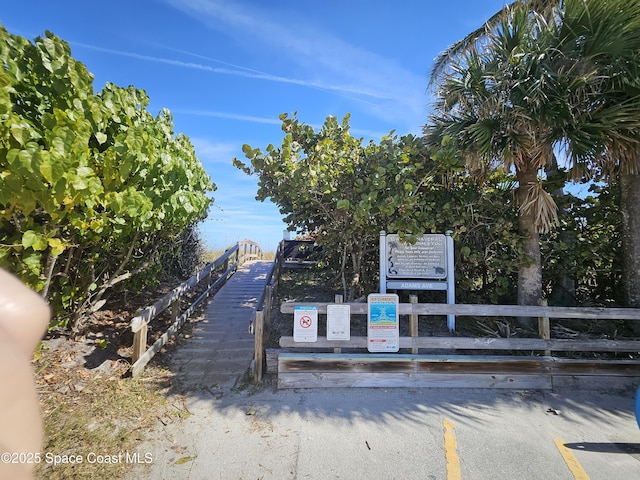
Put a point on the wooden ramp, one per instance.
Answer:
(221, 348)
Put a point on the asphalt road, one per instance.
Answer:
(362, 433)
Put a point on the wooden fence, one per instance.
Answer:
(260, 322)
(213, 275)
(533, 371)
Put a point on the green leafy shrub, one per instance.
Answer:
(93, 188)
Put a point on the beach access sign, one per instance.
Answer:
(383, 329)
(427, 264)
(426, 259)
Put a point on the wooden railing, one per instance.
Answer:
(213, 275)
(542, 313)
(488, 370)
(261, 318)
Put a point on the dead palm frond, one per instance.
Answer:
(541, 206)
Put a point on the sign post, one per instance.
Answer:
(426, 265)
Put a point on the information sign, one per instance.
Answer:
(338, 322)
(427, 258)
(383, 332)
(426, 265)
(305, 324)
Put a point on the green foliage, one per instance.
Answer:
(329, 184)
(343, 192)
(588, 248)
(543, 76)
(92, 186)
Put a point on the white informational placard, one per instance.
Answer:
(338, 322)
(305, 324)
(383, 327)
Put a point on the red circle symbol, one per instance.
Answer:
(305, 321)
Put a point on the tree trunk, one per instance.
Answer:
(563, 292)
(530, 272)
(630, 209)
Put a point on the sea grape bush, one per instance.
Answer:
(93, 187)
(342, 192)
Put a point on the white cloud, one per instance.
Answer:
(342, 90)
(394, 93)
(212, 152)
(230, 116)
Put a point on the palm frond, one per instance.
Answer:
(457, 50)
(541, 206)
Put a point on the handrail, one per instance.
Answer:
(544, 342)
(260, 321)
(149, 313)
(482, 310)
(141, 354)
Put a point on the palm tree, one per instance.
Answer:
(606, 131)
(541, 75)
(458, 49)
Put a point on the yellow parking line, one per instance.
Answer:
(450, 450)
(571, 461)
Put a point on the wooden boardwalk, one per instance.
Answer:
(221, 348)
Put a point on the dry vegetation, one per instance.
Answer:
(89, 403)
(91, 408)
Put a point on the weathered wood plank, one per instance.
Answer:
(405, 380)
(354, 342)
(476, 310)
(271, 355)
(317, 362)
(413, 322)
(297, 370)
(258, 349)
(139, 343)
(603, 383)
(485, 343)
(399, 363)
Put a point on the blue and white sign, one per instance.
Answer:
(383, 328)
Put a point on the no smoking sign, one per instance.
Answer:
(305, 324)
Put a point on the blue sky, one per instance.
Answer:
(227, 69)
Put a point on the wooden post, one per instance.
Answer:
(175, 310)
(209, 281)
(276, 279)
(268, 301)
(338, 299)
(258, 358)
(139, 343)
(543, 325)
(413, 322)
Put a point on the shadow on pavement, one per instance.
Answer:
(381, 405)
